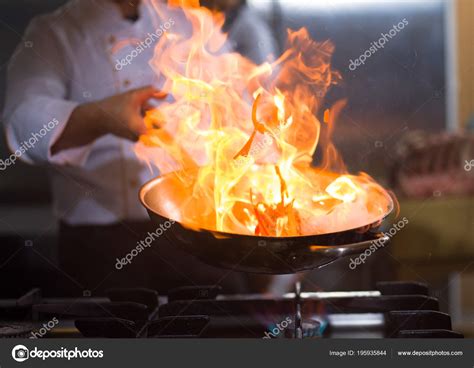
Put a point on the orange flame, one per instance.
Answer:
(246, 134)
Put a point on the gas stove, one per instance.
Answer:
(391, 310)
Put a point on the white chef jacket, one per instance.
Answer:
(69, 57)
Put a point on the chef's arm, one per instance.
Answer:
(120, 115)
(37, 108)
(42, 124)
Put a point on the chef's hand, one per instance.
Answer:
(120, 115)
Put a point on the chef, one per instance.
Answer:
(79, 72)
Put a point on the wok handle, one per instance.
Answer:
(337, 251)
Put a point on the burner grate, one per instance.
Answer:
(400, 310)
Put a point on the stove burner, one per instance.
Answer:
(15, 331)
(400, 309)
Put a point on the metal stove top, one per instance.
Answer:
(393, 309)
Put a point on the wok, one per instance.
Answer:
(163, 195)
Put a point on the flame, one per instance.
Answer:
(242, 136)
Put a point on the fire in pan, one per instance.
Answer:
(172, 198)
